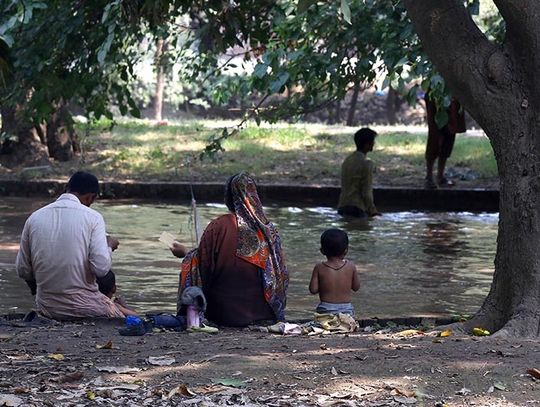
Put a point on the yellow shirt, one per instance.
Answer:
(357, 183)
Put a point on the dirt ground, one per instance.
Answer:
(62, 365)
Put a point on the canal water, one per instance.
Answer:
(410, 263)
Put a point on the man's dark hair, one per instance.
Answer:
(83, 183)
(106, 283)
(334, 242)
(364, 136)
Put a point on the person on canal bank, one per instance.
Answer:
(356, 197)
(440, 141)
(64, 247)
(336, 278)
(239, 263)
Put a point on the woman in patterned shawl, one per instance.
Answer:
(239, 262)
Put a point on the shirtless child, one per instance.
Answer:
(336, 278)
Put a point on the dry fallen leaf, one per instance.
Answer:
(118, 369)
(56, 356)
(480, 332)
(534, 373)
(70, 377)
(445, 333)
(21, 390)
(405, 400)
(182, 390)
(107, 345)
(10, 400)
(160, 360)
(338, 395)
(403, 392)
(409, 332)
(499, 386)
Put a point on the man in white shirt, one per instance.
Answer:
(64, 247)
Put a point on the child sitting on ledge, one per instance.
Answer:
(336, 278)
(107, 286)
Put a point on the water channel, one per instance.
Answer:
(410, 263)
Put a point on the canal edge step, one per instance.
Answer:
(386, 198)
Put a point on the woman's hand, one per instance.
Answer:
(178, 249)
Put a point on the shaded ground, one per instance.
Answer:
(61, 365)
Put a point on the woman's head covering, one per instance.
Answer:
(258, 241)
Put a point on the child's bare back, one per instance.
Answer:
(336, 278)
(334, 281)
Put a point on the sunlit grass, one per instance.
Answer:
(281, 153)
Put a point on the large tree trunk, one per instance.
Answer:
(23, 146)
(62, 140)
(498, 87)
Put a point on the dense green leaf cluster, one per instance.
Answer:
(303, 54)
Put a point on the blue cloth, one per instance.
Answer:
(331, 308)
(168, 321)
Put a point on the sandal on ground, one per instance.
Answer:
(429, 184)
(444, 182)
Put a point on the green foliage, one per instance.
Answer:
(308, 53)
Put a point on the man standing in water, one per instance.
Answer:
(64, 247)
(356, 197)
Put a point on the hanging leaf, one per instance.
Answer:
(441, 118)
(346, 11)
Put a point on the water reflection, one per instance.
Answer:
(410, 263)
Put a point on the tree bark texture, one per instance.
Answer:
(392, 105)
(23, 146)
(351, 116)
(62, 140)
(497, 85)
(160, 79)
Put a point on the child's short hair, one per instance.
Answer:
(107, 283)
(363, 136)
(334, 242)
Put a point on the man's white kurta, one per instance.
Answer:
(64, 247)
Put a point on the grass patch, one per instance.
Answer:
(286, 153)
